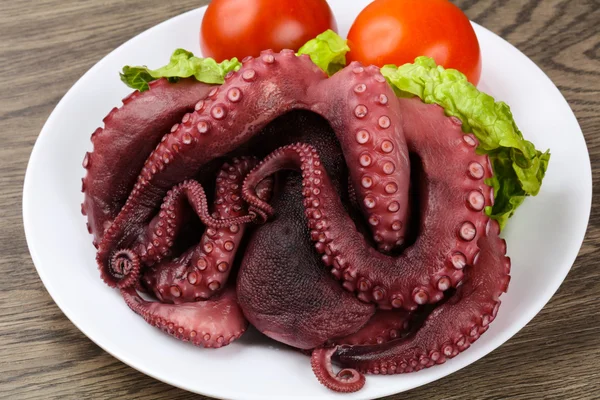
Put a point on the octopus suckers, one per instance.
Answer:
(186, 138)
(86, 160)
(456, 121)
(218, 112)
(485, 320)
(382, 99)
(384, 122)
(396, 226)
(364, 284)
(365, 159)
(476, 200)
(387, 146)
(366, 181)
(223, 266)
(361, 111)
(391, 188)
(268, 58)
(360, 88)
(362, 136)
(393, 206)
(470, 140)
(458, 259)
(199, 106)
(476, 170)
(249, 75)
(389, 168)
(202, 126)
(202, 263)
(192, 277)
(444, 283)
(175, 291)
(378, 293)
(369, 202)
(213, 92)
(467, 231)
(420, 296)
(234, 95)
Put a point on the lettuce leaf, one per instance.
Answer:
(328, 51)
(519, 167)
(183, 64)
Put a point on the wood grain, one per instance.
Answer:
(46, 45)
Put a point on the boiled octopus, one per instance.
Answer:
(327, 212)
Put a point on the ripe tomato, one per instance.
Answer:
(398, 31)
(240, 28)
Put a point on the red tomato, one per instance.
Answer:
(398, 31)
(240, 28)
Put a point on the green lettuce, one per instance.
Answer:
(519, 167)
(328, 51)
(183, 64)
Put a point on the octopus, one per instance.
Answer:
(332, 215)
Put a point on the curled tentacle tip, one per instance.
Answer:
(124, 268)
(259, 216)
(346, 381)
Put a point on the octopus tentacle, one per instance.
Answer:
(213, 323)
(385, 325)
(282, 287)
(345, 381)
(452, 327)
(245, 103)
(169, 220)
(375, 149)
(134, 129)
(204, 269)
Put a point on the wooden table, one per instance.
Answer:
(45, 46)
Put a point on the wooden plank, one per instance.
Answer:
(47, 45)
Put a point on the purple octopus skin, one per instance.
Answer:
(408, 172)
(357, 102)
(282, 287)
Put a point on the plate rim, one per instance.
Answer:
(29, 225)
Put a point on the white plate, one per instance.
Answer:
(543, 238)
